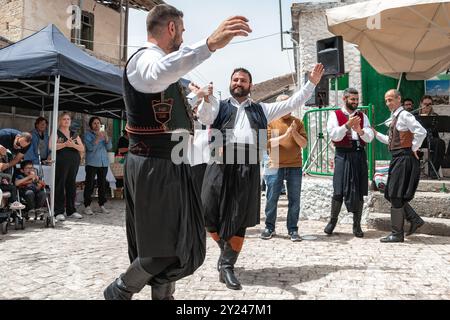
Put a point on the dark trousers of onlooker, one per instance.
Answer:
(119, 183)
(437, 155)
(446, 162)
(34, 200)
(91, 172)
(65, 186)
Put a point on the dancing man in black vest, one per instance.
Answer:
(231, 190)
(164, 220)
(406, 135)
(349, 129)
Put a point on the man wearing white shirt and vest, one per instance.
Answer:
(231, 191)
(349, 129)
(165, 225)
(199, 148)
(406, 135)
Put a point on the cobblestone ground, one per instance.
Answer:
(77, 259)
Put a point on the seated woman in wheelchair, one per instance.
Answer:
(31, 187)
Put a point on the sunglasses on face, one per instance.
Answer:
(18, 145)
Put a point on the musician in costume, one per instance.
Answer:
(350, 131)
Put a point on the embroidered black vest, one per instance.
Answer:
(227, 116)
(226, 119)
(156, 113)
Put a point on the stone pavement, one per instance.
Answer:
(77, 259)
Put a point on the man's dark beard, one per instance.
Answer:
(350, 106)
(243, 92)
(174, 46)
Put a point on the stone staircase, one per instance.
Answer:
(431, 202)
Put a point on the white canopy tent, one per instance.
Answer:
(410, 37)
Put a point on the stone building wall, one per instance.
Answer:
(312, 26)
(11, 14)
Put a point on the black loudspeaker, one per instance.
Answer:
(320, 98)
(330, 52)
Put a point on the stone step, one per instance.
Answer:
(433, 185)
(427, 204)
(432, 226)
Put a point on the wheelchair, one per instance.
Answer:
(5, 212)
(10, 213)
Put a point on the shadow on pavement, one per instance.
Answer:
(287, 277)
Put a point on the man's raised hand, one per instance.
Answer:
(316, 74)
(193, 87)
(230, 28)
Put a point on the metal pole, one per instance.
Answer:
(55, 137)
(336, 92)
(371, 151)
(121, 33)
(399, 81)
(281, 25)
(125, 36)
(299, 73)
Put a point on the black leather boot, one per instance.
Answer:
(335, 209)
(163, 291)
(413, 218)
(221, 244)
(357, 231)
(226, 273)
(129, 283)
(397, 221)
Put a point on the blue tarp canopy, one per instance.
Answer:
(87, 84)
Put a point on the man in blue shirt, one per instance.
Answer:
(97, 144)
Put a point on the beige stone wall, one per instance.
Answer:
(17, 122)
(39, 14)
(11, 13)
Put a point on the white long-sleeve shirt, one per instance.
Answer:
(242, 133)
(406, 122)
(337, 133)
(152, 70)
(198, 151)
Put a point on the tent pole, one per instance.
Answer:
(125, 34)
(55, 137)
(399, 81)
(121, 50)
(43, 107)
